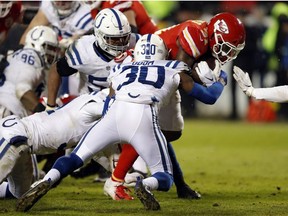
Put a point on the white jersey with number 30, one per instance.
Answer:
(146, 82)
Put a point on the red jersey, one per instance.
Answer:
(7, 21)
(144, 23)
(192, 36)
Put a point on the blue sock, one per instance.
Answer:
(165, 180)
(177, 172)
(67, 164)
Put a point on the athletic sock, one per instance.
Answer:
(125, 162)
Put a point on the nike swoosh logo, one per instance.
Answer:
(209, 78)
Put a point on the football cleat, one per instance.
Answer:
(145, 196)
(36, 191)
(185, 192)
(9, 155)
(116, 190)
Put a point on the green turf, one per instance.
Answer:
(239, 168)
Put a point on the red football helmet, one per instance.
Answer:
(226, 35)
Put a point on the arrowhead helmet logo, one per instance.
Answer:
(221, 26)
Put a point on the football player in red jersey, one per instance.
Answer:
(9, 13)
(191, 41)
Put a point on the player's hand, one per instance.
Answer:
(64, 43)
(243, 80)
(206, 75)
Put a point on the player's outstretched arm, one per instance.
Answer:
(278, 94)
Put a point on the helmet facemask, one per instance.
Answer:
(114, 45)
(112, 32)
(51, 53)
(44, 41)
(5, 7)
(225, 51)
(65, 8)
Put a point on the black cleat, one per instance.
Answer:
(145, 196)
(185, 192)
(28, 200)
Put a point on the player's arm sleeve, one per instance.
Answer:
(278, 94)
(207, 95)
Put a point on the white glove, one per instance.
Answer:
(243, 80)
(206, 75)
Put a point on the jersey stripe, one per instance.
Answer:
(190, 41)
(160, 141)
(76, 53)
(168, 64)
(70, 56)
(83, 17)
(86, 23)
(176, 64)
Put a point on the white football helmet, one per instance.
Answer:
(45, 41)
(5, 7)
(112, 31)
(65, 8)
(150, 47)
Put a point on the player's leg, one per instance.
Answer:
(12, 146)
(150, 143)
(172, 123)
(103, 132)
(21, 177)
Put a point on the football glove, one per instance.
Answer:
(206, 75)
(243, 80)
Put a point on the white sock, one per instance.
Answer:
(3, 189)
(53, 176)
(151, 182)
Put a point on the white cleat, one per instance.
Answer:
(116, 190)
(36, 191)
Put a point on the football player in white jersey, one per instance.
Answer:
(26, 72)
(69, 18)
(278, 94)
(138, 89)
(92, 55)
(42, 133)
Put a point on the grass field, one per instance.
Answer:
(239, 168)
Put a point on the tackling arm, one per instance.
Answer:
(57, 70)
